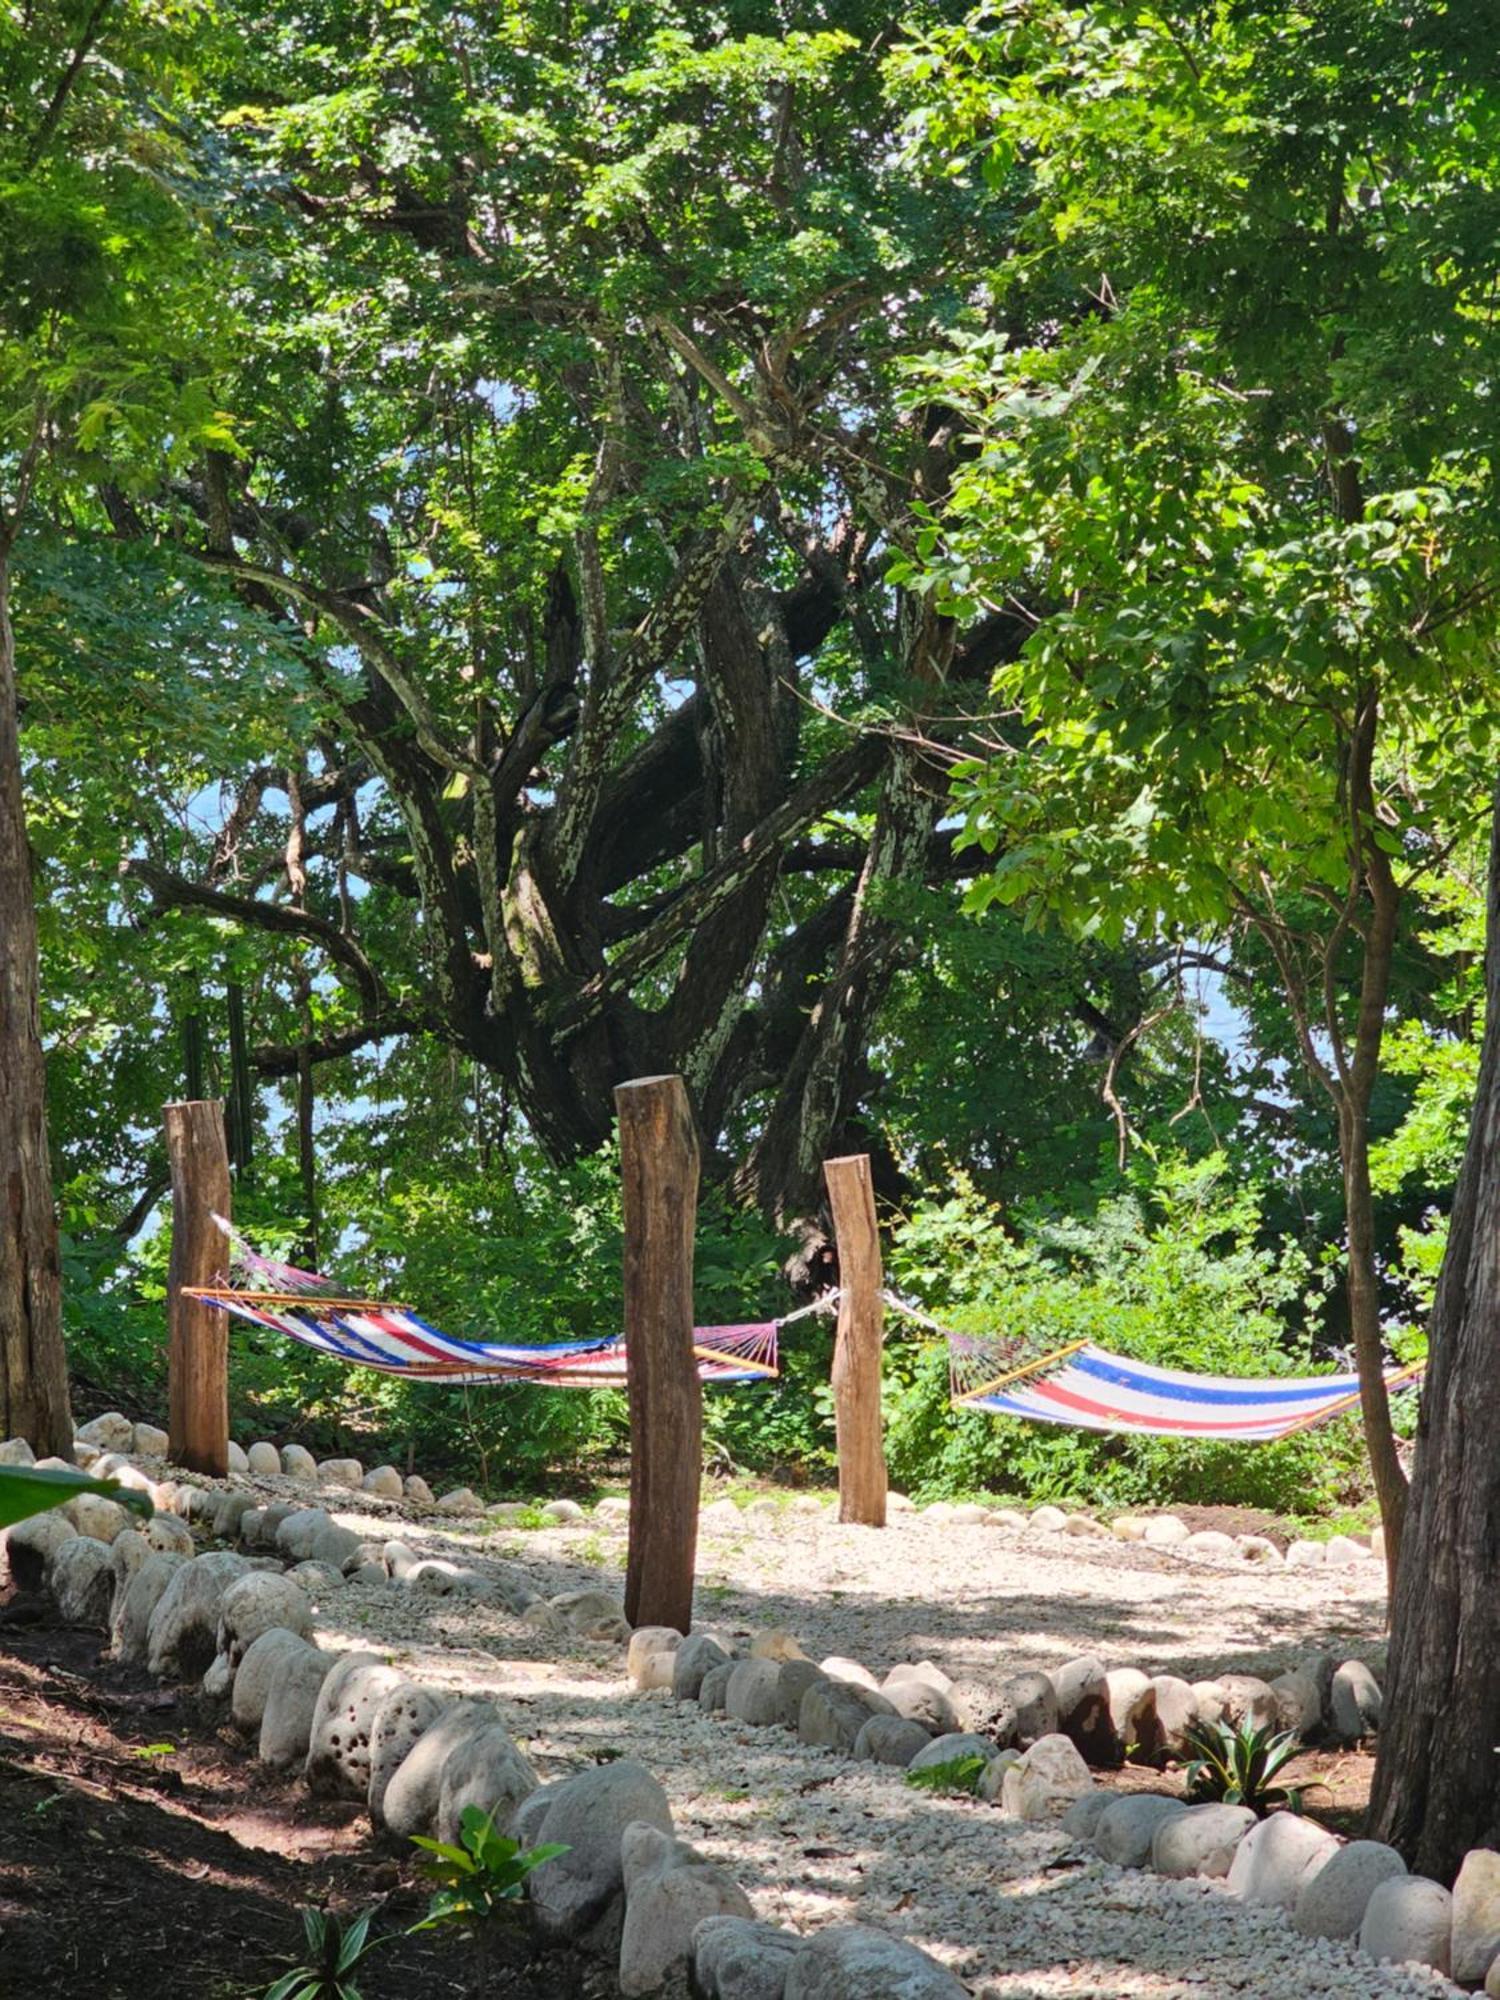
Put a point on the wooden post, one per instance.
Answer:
(856, 1348)
(198, 1338)
(659, 1181)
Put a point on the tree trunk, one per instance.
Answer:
(659, 1184)
(198, 1339)
(1435, 1793)
(856, 1351)
(1362, 1289)
(33, 1364)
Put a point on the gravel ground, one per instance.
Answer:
(1014, 1909)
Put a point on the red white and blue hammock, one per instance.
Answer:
(369, 1333)
(1091, 1389)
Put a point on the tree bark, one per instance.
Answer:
(198, 1339)
(659, 1183)
(857, 1342)
(33, 1364)
(1435, 1793)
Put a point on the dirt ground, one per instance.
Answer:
(143, 1852)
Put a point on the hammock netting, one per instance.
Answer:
(1091, 1389)
(308, 1307)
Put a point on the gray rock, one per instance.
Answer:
(337, 1546)
(1210, 1542)
(1125, 1687)
(1162, 1717)
(1332, 1902)
(16, 1451)
(311, 1576)
(1084, 1814)
(295, 1532)
(399, 1724)
(1048, 1520)
(298, 1463)
(1408, 1921)
(698, 1652)
(413, 1793)
(891, 1739)
(485, 1769)
(1476, 1916)
(341, 1472)
(669, 1890)
(417, 1492)
(462, 1500)
(797, 1676)
(338, 1745)
(991, 1786)
(649, 1661)
(852, 1962)
(126, 1554)
(1354, 1702)
(31, 1545)
(264, 1460)
(269, 1523)
(148, 1442)
(263, 1659)
(1274, 1859)
(132, 1610)
(1164, 1531)
(1046, 1780)
(944, 1749)
(111, 1432)
(918, 1670)
(1035, 1701)
(165, 1532)
(83, 1581)
(1248, 1699)
(1200, 1841)
(1124, 1831)
(850, 1672)
(920, 1702)
(398, 1560)
(238, 1463)
(1082, 1689)
(384, 1481)
(435, 1577)
(256, 1603)
(751, 1693)
(714, 1686)
(1299, 1704)
(230, 1510)
(1304, 1555)
(183, 1635)
(1341, 1550)
(834, 1712)
(296, 1683)
(582, 1610)
(588, 1815)
(737, 1960)
(568, 1513)
(94, 1515)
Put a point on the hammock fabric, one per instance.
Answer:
(366, 1333)
(1093, 1390)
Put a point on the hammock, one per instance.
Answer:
(367, 1333)
(1085, 1386)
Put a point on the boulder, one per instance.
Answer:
(568, 1513)
(384, 1481)
(992, 1778)
(1124, 1687)
(1210, 1542)
(850, 1672)
(795, 1678)
(292, 1696)
(485, 1769)
(397, 1560)
(1258, 1549)
(922, 1703)
(698, 1652)
(269, 1524)
(1339, 1551)
(751, 1694)
(1164, 1531)
(1048, 1520)
(1211, 1700)
(399, 1724)
(1162, 1717)
(834, 1712)
(1082, 1689)
(111, 1432)
(311, 1576)
(1046, 1780)
(264, 1460)
(1333, 1900)
(340, 1472)
(126, 1554)
(229, 1510)
(462, 1500)
(416, 1491)
(183, 1635)
(1476, 1916)
(738, 1960)
(1354, 1702)
(1005, 1517)
(1304, 1555)
(1128, 1528)
(30, 1546)
(1274, 1859)
(1085, 1812)
(587, 1816)
(969, 1514)
(338, 1744)
(1086, 1528)
(853, 1962)
(236, 1460)
(164, 1532)
(774, 1642)
(582, 1610)
(945, 1749)
(613, 1510)
(135, 1603)
(1035, 1702)
(257, 1603)
(714, 1686)
(413, 1794)
(148, 1442)
(1299, 1704)
(891, 1739)
(1200, 1840)
(1248, 1699)
(16, 1451)
(926, 1671)
(83, 1581)
(651, 1658)
(298, 1463)
(295, 1532)
(1408, 1921)
(436, 1578)
(263, 1660)
(1125, 1831)
(669, 1890)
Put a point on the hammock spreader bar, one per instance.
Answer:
(1091, 1389)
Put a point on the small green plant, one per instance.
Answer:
(959, 1775)
(1235, 1766)
(479, 1882)
(154, 1754)
(333, 1952)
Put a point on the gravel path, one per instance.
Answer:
(1013, 1908)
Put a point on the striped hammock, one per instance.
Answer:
(1087, 1387)
(368, 1333)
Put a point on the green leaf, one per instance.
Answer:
(29, 1489)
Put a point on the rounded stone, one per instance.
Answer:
(1408, 1921)
(264, 1460)
(297, 1462)
(400, 1723)
(1124, 1831)
(1275, 1858)
(751, 1694)
(890, 1739)
(384, 1481)
(1200, 1841)
(1333, 1901)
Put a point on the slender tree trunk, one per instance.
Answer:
(33, 1365)
(1436, 1793)
(857, 1343)
(1362, 1289)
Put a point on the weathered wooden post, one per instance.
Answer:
(659, 1181)
(856, 1348)
(198, 1339)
